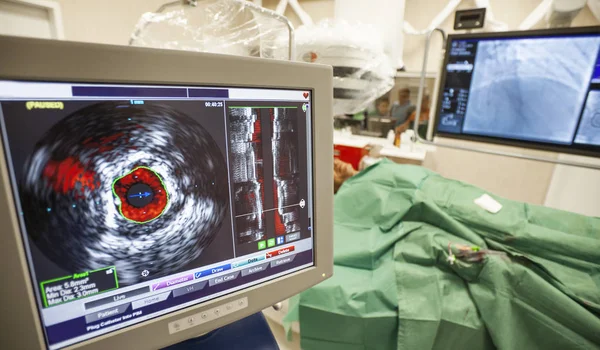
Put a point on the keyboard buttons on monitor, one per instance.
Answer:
(255, 269)
(292, 237)
(207, 315)
(174, 327)
(223, 278)
(284, 260)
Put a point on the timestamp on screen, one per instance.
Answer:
(213, 104)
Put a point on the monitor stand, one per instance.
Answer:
(252, 332)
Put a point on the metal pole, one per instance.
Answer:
(418, 138)
(422, 79)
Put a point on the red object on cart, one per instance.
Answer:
(349, 154)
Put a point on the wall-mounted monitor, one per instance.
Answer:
(538, 89)
(149, 196)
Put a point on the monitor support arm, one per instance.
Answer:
(418, 138)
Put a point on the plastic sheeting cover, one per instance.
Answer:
(362, 70)
(215, 26)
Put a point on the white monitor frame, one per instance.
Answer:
(56, 61)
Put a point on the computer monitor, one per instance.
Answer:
(150, 196)
(538, 89)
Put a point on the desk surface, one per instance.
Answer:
(406, 151)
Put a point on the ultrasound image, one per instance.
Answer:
(589, 128)
(286, 175)
(124, 185)
(530, 89)
(248, 176)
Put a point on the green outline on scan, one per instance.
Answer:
(120, 205)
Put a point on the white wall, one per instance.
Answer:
(24, 19)
(105, 21)
(575, 189)
(516, 179)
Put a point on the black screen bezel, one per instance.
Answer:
(578, 149)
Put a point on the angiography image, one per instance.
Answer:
(530, 89)
(589, 128)
(124, 185)
(286, 175)
(248, 177)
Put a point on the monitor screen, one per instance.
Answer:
(539, 89)
(137, 201)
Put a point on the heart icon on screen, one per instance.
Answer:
(305, 95)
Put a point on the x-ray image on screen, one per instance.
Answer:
(589, 129)
(530, 89)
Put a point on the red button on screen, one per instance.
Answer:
(281, 251)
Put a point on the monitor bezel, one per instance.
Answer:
(576, 149)
(61, 61)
